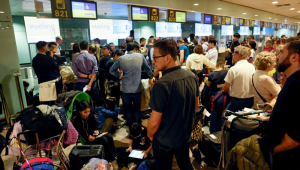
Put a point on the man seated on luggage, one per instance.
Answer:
(239, 79)
(282, 136)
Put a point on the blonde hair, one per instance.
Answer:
(264, 60)
(97, 51)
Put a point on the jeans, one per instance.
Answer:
(237, 104)
(93, 94)
(132, 103)
(164, 156)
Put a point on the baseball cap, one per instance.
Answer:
(106, 46)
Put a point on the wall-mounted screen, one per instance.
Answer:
(84, 10)
(139, 13)
(167, 29)
(226, 30)
(244, 30)
(39, 29)
(228, 21)
(180, 16)
(203, 29)
(256, 31)
(110, 29)
(207, 19)
(241, 22)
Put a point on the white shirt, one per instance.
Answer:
(58, 49)
(266, 86)
(240, 79)
(212, 55)
(252, 54)
(196, 61)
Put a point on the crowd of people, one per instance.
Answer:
(176, 69)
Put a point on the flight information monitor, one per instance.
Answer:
(84, 10)
(180, 16)
(139, 13)
(207, 19)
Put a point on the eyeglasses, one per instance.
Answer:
(154, 58)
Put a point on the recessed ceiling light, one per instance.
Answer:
(285, 20)
(298, 11)
(1, 12)
(219, 8)
(256, 15)
(196, 4)
(2, 28)
(275, 2)
(292, 8)
(298, 22)
(270, 17)
(276, 19)
(244, 13)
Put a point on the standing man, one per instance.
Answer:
(132, 65)
(85, 68)
(174, 101)
(212, 54)
(235, 43)
(112, 49)
(106, 51)
(59, 40)
(142, 42)
(53, 48)
(282, 136)
(239, 79)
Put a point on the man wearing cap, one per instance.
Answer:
(106, 50)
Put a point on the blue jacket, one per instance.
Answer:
(102, 113)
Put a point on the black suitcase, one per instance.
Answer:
(210, 147)
(81, 155)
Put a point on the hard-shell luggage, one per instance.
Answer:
(37, 164)
(96, 164)
(80, 155)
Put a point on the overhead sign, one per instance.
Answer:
(215, 20)
(139, 13)
(171, 16)
(241, 22)
(84, 10)
(61, 9)
(252, 23)
(228, 21)
(154, 14)
(207, 19)
(180, 16)
(223, 20)
(245, 22)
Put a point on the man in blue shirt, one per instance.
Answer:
(131, 65)
(183, 51)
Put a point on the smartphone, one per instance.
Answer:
(264, 107)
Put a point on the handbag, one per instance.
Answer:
(263, 99)
(196, 135)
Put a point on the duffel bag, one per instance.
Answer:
(80, 155)
(96, 164)
(210, 147)
(241, 128)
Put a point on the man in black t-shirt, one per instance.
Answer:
(106, 51)
(44, 66)
(282, 136)
(235, 43)
(53, 48)
(174, 101)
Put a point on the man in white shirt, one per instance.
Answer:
(204, 44)
(239, 80)
(212, 54)
(59, 40)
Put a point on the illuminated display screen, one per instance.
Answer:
(139, 13)
(180, 16)
(203, 29)
(207, 19)
(84, 10)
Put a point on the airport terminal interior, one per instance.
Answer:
(149, 85)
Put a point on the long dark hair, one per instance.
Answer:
(83, 105)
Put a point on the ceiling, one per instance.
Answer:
(281, 8)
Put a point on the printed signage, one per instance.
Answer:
(223, 20)
(215, 20)
(154, 14)
(171, 16)
(61, 9)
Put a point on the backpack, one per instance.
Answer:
(96, 164)
(68, 75)
(66, 99)
(32, 119)
(38, 163)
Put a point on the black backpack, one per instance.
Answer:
(32, 120)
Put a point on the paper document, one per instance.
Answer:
(85, 88)
(136, 154)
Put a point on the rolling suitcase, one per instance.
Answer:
(80, 155)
